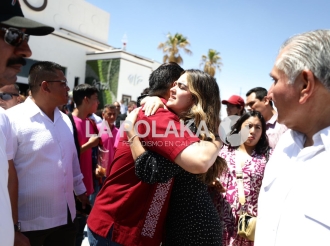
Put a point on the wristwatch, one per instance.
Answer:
(17, 227)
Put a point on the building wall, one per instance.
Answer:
(80, 37)
(77, 16)
(134, 72)
(80, 28)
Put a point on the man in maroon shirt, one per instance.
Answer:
(128, 211)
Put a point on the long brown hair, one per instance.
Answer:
(206, 108)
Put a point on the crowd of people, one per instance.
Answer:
(160, 174)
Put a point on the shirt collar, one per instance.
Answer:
(272, 120)
(34, 109)
(325, 137)
(322, 137)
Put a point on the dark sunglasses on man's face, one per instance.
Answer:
(14, 36)
(7, 96)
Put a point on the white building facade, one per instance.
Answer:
(79, 44)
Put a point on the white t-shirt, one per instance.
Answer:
(294, 196)
(47, 166)
(6, 220)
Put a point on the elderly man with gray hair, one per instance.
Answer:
(293, 198)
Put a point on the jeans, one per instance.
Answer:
(96, 240)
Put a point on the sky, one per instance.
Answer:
(247, 33)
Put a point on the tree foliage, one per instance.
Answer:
(211, 62)
(172, 46)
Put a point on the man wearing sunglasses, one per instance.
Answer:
(14, 35)
(9, 96)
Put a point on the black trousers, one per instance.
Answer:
(64, 235)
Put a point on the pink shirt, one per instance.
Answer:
(86, 157)
(108, 140)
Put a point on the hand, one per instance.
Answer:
(93, 141)
(21, 239)
(151, 104)
(100, 171)
(128, 125)
(83, 198)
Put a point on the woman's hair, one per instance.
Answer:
(262, 146)
(205, 110)
(243, 111)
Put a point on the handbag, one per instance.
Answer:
(247, 226)
(246, 223)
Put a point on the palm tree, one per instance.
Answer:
(211, 62)
(171, 48)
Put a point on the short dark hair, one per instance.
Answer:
(145, 91)
(163, 77)
(260, 93)
(81, 91)
(41, 71)
(109, 106)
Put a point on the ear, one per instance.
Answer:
(266, 100)
(307, 85)
(44, 86)
(85, 99)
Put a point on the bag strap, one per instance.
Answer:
(239, 177)
(75, 135)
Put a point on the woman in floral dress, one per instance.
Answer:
(252, 155)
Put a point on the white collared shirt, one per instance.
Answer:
(274, 130)
(294, 197)
(6, 220)
(47, 166)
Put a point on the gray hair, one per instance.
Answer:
(309, 50)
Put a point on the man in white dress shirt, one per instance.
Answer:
(14, 32)
(46, 160)
(6, 154)
(293, 200)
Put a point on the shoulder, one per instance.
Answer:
(160, 114)
(3, 116)
(4, 122)
(65, 118)
(17, 111)
(226, 151)
(285, 140)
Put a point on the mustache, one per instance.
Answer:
(18, 60)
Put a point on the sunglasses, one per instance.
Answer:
(7, 96)
(14, 36)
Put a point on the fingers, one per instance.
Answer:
(144, 100)
(151, 108)
(154, 109)
(148, 108)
